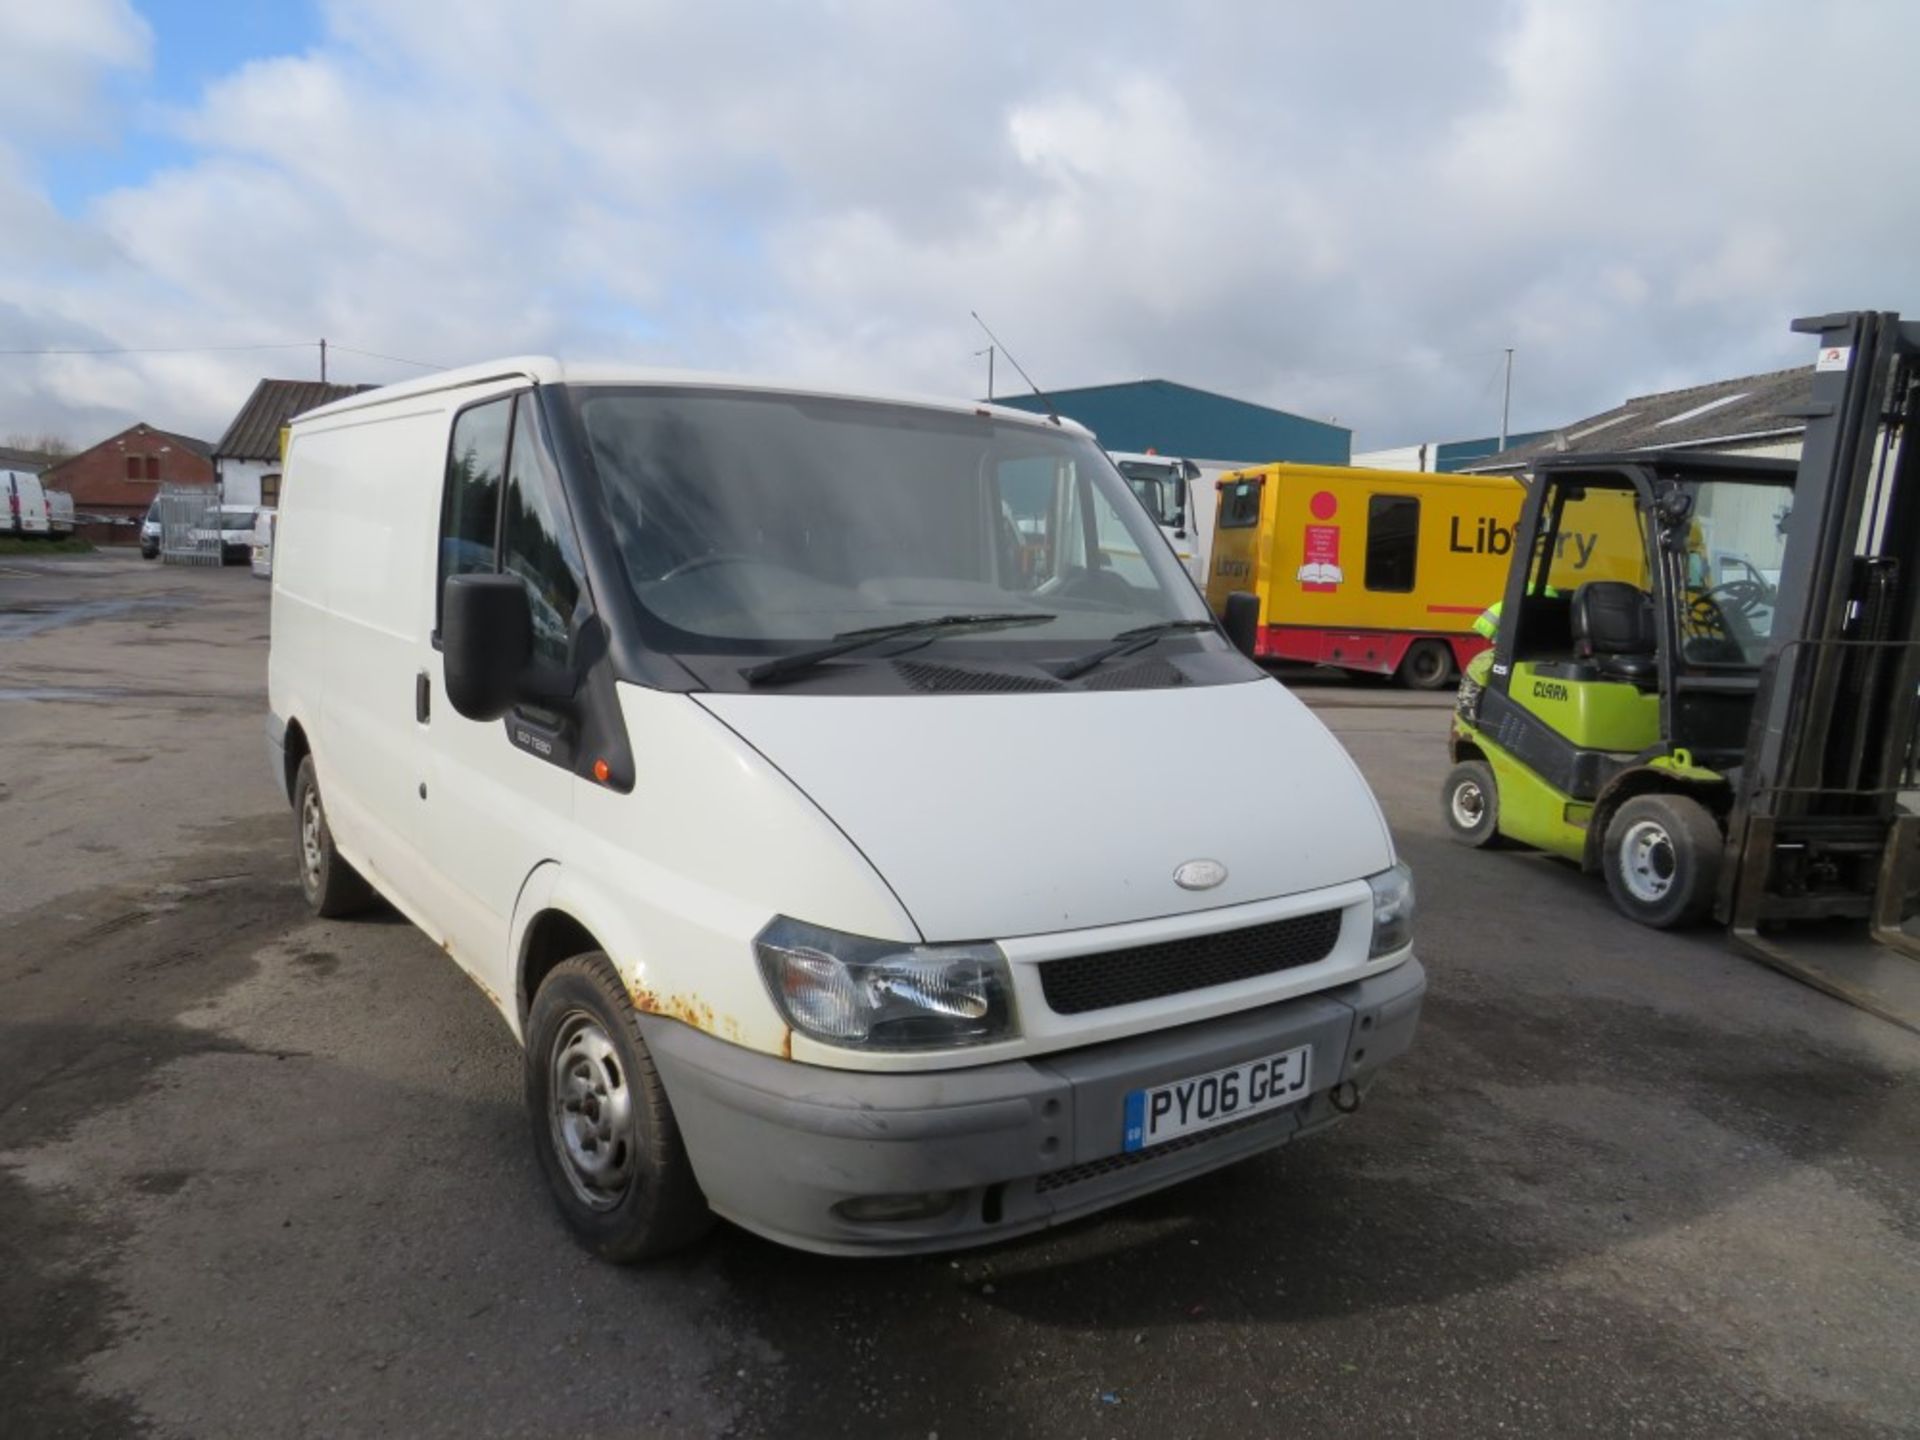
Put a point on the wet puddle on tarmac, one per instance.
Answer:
(19, 623)
(51, 692)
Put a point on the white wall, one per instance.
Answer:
(239, 480)
(1400, 457)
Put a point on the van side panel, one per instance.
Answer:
(368, 487)
(296, 625)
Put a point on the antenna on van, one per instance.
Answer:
(1052, 414)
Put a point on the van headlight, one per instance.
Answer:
(881, 995)
(1392, 911)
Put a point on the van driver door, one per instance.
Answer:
(493, 810)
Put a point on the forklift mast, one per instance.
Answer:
(1817, 826)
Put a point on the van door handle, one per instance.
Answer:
(422, 697)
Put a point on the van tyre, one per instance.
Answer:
(603, 1129)
(1470, 804)
(1662, 860)
(1427, 665)
(333, 887)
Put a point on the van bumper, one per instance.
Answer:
(995, 1151)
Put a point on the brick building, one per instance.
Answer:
(114, 482)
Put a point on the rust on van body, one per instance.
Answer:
(696, 1013)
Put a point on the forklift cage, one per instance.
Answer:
(1823, 821)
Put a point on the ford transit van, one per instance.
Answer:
(785, 766)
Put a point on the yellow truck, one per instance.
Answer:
(1382, 571)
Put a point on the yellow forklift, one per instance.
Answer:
(1703, 685)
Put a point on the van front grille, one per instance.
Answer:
(1147, 972)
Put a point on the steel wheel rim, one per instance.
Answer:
(1648, 863)
(1428, 665)
(1469, 805)
(590, 1112)
(312, 827)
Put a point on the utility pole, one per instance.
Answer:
(1506, 400)
(323, 359)
(988, 352)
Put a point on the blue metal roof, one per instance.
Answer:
(1450, 455)
(1177, 419)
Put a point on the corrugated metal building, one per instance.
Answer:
(1749, 415)
(1175, 419)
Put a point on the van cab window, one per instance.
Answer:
(747, 523)
(536, 539)
(470, 507)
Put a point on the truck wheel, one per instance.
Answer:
(1662, 858)
(333, 887)
(1427, 665)
(1470, 803)
(604, 1133)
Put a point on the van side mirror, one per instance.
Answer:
(486, 642)
(1242, 621)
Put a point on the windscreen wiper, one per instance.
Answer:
(1126, 642)
(848, 641)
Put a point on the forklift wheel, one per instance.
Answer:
(1470, 801)
(1663, 860)
(1427, 665)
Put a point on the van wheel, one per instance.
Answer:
(1662, 859)
(333, 887)
(603, 1130)
(1470, 803)
(1427, 665)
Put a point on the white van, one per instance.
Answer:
(25, 503)
(762, 754)
(60, 518)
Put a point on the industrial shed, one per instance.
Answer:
(1176, 419)
(1750, 415)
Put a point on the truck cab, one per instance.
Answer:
(1166, 486)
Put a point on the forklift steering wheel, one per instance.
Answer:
(1745, 597)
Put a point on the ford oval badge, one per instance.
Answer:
(1199, 874)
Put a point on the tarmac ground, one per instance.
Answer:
(261, 1173)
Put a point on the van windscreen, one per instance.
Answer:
(748, 521)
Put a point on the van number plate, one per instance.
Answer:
(1200, 1102)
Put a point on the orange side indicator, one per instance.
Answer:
(601, 771)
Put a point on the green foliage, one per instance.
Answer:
(29, 545)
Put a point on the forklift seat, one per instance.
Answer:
(1613, 631)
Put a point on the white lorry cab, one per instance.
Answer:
(761, 753)
(1179, 495)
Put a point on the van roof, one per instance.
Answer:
(547, 370)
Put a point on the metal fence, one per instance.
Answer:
(189, 528)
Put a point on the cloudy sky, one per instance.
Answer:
(1346, 210)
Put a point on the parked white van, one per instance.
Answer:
(25, 504)
(762, 754)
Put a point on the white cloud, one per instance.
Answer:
(1339, 210)
(55, 57)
